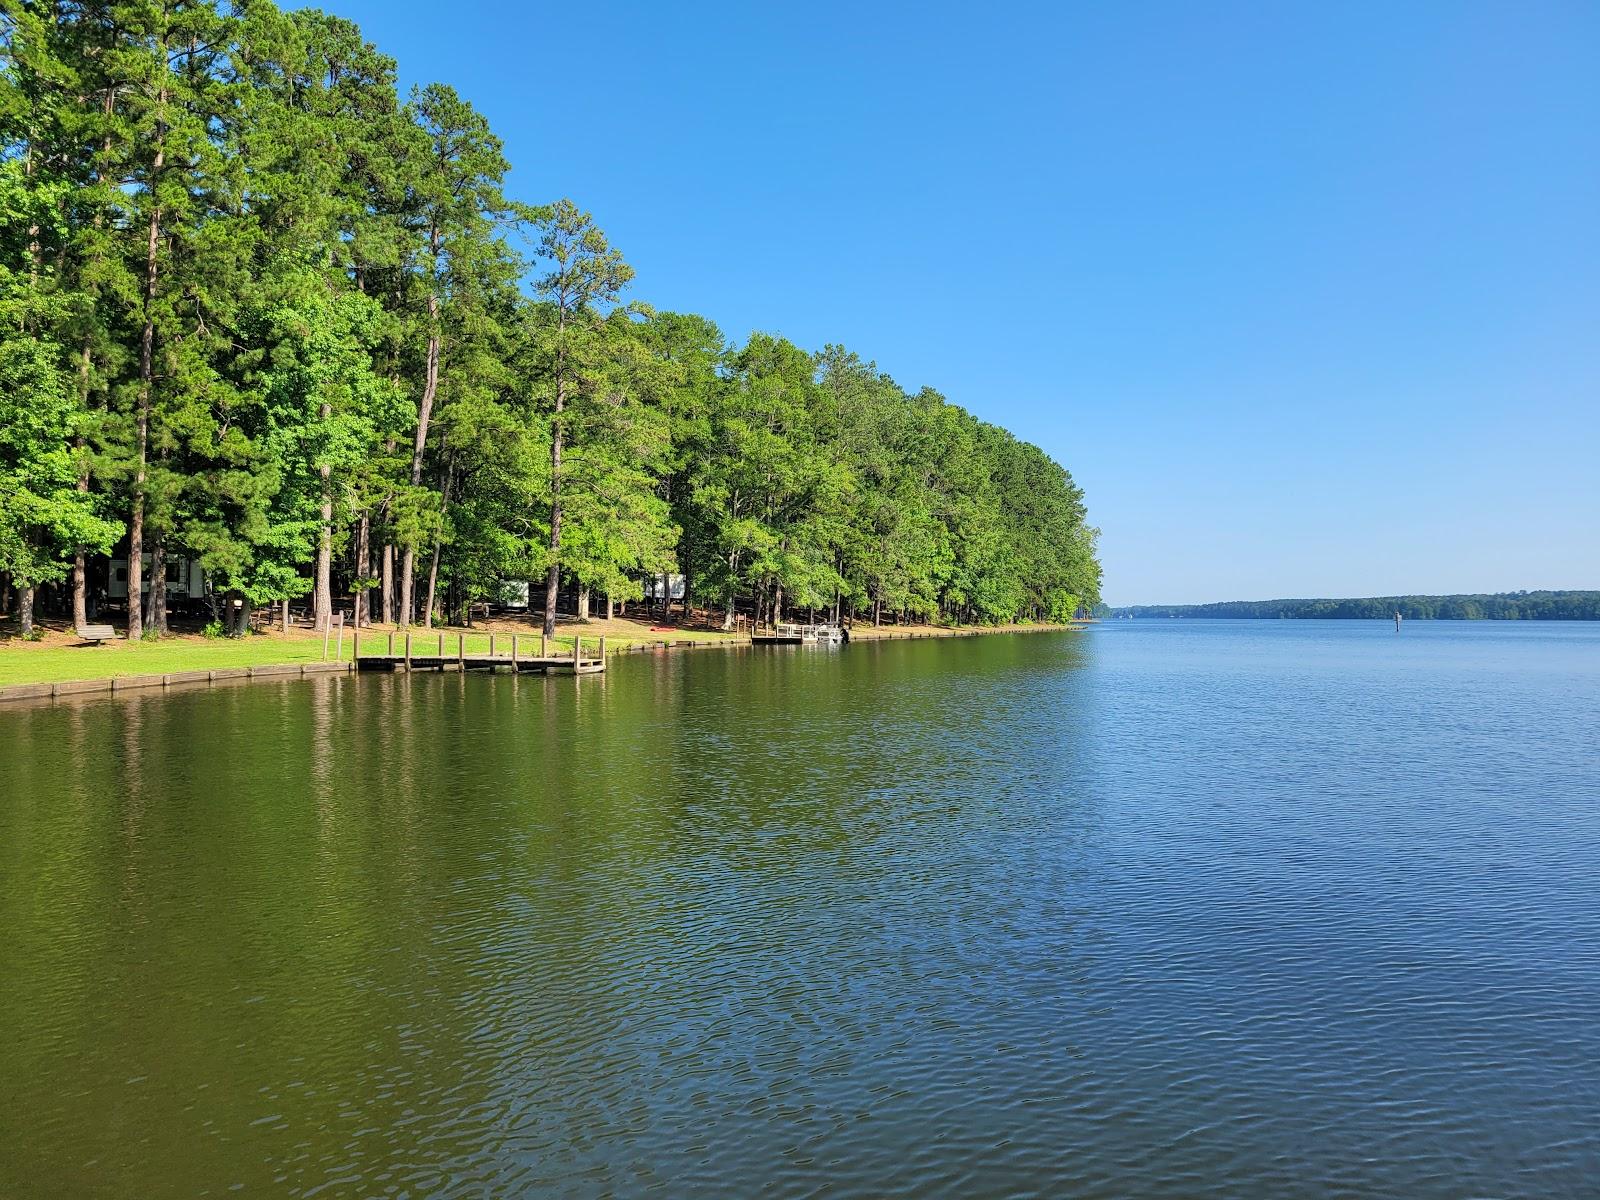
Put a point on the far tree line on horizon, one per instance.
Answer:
(1499, 606)
(259, 312)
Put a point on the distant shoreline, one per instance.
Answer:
(1495, 606)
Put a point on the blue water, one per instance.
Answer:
(1164, 909)
(1346, 882)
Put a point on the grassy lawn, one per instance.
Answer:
(59, 656)
(24, 663)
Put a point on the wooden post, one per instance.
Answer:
(576, 643)
(326, 630)
(544, 647)
(391, 643)
(513, 650)
(338, 652)
(355, 645)
(408, 652)
(602, 649)
(461, 652)
(441, 649)
(491, 645)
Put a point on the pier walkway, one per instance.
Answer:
(425, 652)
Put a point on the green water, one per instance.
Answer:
(1205, 912)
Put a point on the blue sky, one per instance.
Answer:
(1306, 296)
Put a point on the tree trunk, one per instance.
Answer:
(25, 609)
(405, 599)
(80, 574)
(136, 539)
(433, 584)
(80, 592)
(438, 542)
(387, 576)
(583, 602)
(323, 601)
(611, 607)
(80, 582)
(727, 616)
(552, 583)
(147, 347)
(363, 571)
(284, 617)
(430, 389)
(386, 554)
(552, 579)
(155, 613)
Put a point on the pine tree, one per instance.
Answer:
(574, 347)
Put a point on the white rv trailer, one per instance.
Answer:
(185, 579)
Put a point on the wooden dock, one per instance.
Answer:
(429, 652)
(798, 635)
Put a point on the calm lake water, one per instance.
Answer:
(1165, 909)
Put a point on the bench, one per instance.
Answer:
(95, 634)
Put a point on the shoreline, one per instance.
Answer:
(46, 689)
(897, 633)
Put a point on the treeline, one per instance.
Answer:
(257, 311)
(1501, 606)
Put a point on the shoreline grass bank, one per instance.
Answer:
(61, 664)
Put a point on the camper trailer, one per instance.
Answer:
(653, 588)
(186, 582)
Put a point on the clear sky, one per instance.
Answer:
(1305, 295)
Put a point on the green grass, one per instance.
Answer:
(20, 663)
(23, 663)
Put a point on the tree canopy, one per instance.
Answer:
(260, 310)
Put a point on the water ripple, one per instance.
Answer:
(1167, 910)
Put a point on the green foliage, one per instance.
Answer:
(255, 304)
(43, 515)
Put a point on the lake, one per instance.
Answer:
(1162, 909)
